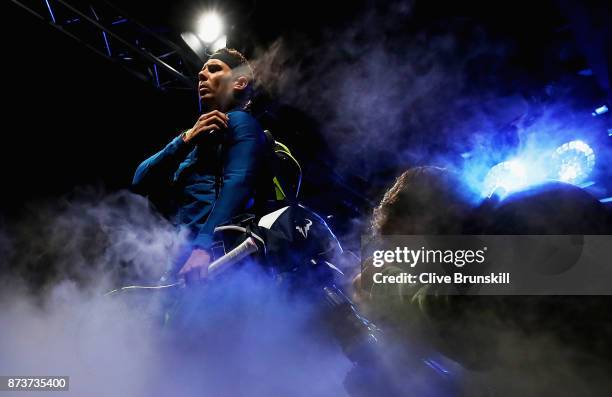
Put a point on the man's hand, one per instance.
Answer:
(196, 268)
(206, 124)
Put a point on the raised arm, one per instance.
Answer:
(158, 170)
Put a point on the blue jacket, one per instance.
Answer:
(212, 181)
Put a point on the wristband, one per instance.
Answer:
(184, 136)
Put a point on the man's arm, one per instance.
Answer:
(158, 170)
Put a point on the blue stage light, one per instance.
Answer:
(600, 110)
(505, 178)
(574, 161)
(571, 162)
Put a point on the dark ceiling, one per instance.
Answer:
(75, 119)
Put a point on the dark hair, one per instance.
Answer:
(242, 68)
(423, 200)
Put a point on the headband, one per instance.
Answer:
(230, 60)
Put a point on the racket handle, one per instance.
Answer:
(246, 248)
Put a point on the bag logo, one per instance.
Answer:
(304, 230)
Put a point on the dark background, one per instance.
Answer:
(75, 118)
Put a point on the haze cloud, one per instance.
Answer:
(240, 336)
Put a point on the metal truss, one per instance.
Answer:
(106, 30)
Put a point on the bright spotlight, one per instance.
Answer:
(209, 27)
(220, 43)
(505, 178)
(193, 42)
(574, 161)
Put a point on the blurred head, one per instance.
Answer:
(549, 208)
(225, 80)
(424, 200)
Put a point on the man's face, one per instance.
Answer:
(215, 83)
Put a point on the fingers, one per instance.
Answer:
(216, 113)
(216, 120)
(206, 128)
(209, 126)
(195, 269)
(211, 122)
(185, 269)
(190, 275)
(193, 275)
